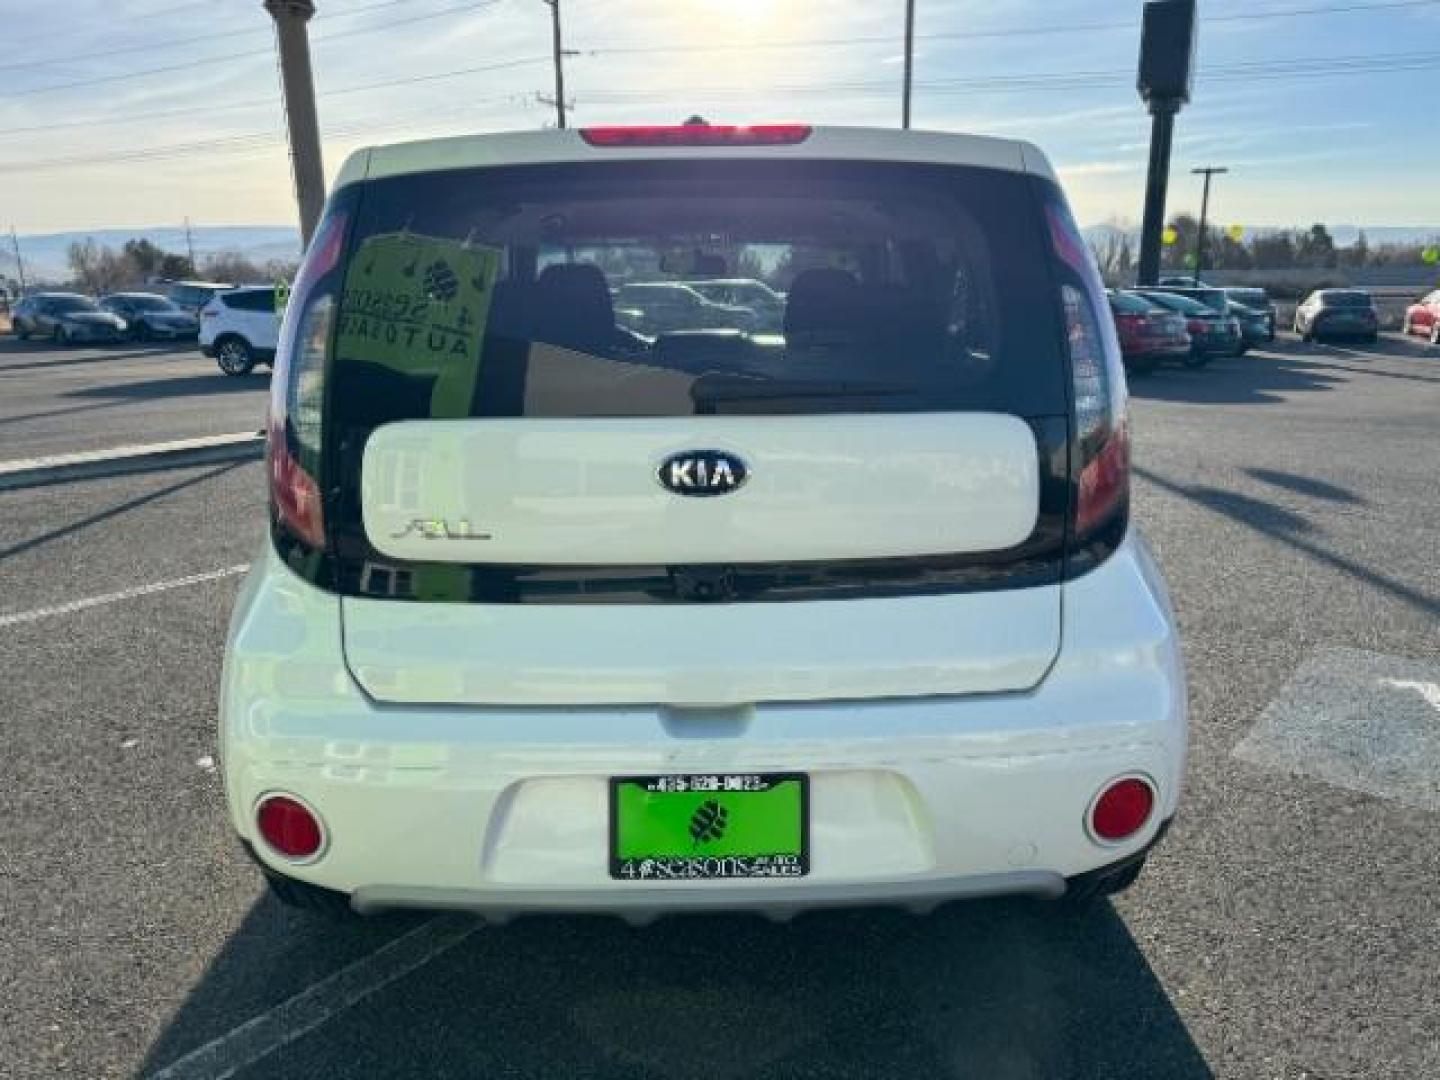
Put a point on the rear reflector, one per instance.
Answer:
(1122, 809)
(697, 135)
(289, 828)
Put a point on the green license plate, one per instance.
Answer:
(689, 827)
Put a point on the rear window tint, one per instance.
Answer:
(566, 291)
(1130, 304)
(250, 300)
(1345, 299)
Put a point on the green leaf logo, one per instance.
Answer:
(708, 822)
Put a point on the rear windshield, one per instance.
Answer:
(1249, 297)
(679, 288)
(1130, 304)
(1345, 299)
(148, 303)
(1182, 304)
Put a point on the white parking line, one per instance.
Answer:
(124, 594)
(115, 453)
(264, 1034)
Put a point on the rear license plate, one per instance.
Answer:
(689, 827)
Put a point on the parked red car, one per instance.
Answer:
(1423, 317)
(1149, 334)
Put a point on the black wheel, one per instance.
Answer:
(24, 335)
(1197, 359)
(312, 898)
(1085, 890)
(234, 355)
(1371, 339)
(60, 336)
(141, 331)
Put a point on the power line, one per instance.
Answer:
(1003, 32)
(172, 42)
(1242, 72)
(248, 54)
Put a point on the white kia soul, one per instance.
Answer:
(837, 604)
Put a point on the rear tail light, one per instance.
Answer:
(1121, 810)
(289, 828)
(697, 135)
(294, 427)
(1100, 458)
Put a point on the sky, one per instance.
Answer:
(139, 113)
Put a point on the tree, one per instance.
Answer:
(1358, 253)
(1317, 247)
(144, 256)
(233, 267)
(174, 267)
(84, 259)
(1273, 251)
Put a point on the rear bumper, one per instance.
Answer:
(504, 810)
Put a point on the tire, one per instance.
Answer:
(60, 336)
(141, 331)
(1197, 360)
(234, 356)
(303, 896)
(1371, 339)
(23, 335)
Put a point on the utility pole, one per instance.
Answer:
(909, 62)
(1157, 181)
(554, 6)
(19, 262)
(190, 245)
(1167, 54)
(1207, 172)
(298, 85)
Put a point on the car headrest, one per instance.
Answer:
(823, 302)
(573, 306)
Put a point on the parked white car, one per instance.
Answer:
(554, 617)
(239, 328)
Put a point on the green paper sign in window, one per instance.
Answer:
(419, 305)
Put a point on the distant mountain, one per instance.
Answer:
(44, 253)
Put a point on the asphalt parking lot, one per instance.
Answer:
(59, 400)
(1287, 928)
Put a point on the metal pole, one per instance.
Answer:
(298, 85)
(909, 62)
(190, 245)
(19, 262)
(559, 63)
(1157, 179)
(1207, 172)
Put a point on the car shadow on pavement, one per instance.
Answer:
(1305, 485)
(177, 386)
(1248, 380)
(1293, 529)
(993, 990)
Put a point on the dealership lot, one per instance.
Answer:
(1285, 929)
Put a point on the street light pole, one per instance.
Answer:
(909, 62)
(298, 85)
(554, 6)
(19, 262)
(1208, 171)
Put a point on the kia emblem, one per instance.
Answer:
(702, 472)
